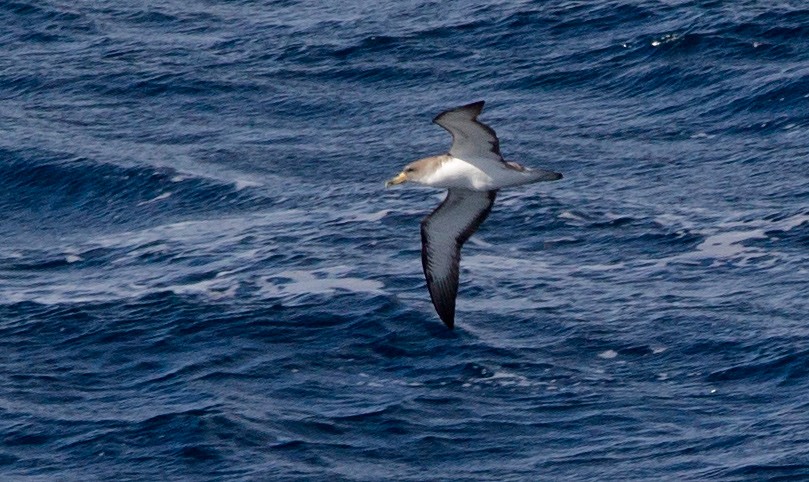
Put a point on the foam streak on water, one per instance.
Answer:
(203, 278)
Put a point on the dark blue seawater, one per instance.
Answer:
(203, 278)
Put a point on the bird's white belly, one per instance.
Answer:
(456, 173)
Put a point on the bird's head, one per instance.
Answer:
(413, 172)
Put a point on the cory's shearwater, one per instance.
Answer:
(472, 171)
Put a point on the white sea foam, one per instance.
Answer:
(527, 265)
(323, 281)
(214, 289)
(159, 197)
(181, 177)
(571, 216)
(504, 378)
(73, 258)
(245, 183)
(725, 243)
(668, 38)
(369, 217)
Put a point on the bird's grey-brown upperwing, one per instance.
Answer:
(443, 233)
(472, 140)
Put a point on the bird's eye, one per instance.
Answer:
(409, 169)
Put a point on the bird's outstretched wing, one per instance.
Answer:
(443, 233)
(472, 140)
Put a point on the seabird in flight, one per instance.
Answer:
(472, 171)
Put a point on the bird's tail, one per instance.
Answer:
(543, 175)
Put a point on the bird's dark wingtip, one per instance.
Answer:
(476, 107)
(447, 315)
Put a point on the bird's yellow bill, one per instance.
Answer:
(402, 177)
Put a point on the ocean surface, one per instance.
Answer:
(202, 276)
